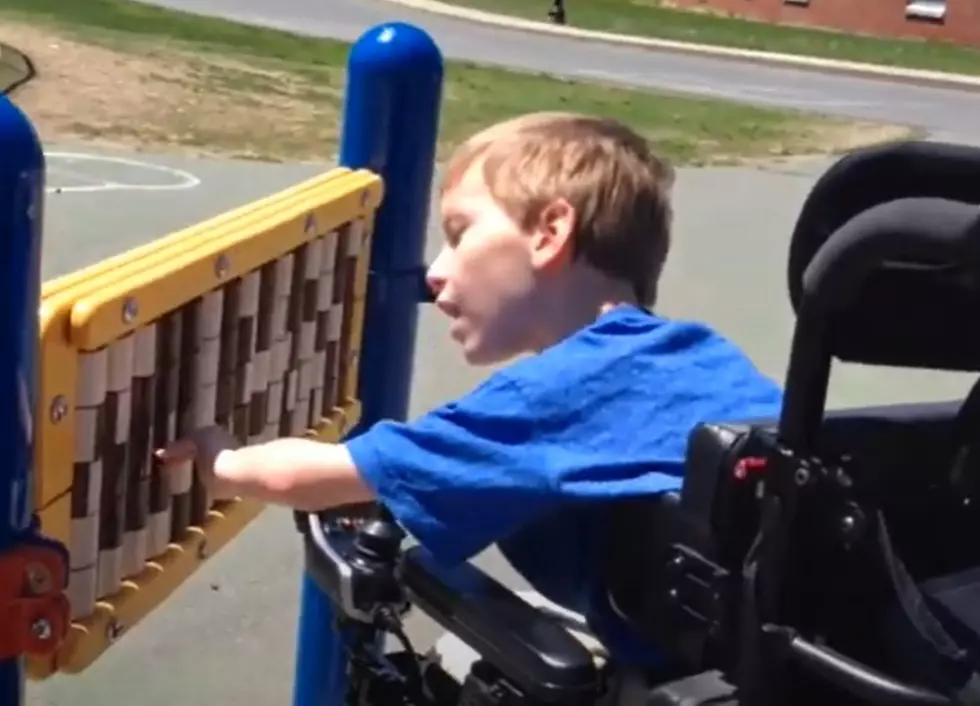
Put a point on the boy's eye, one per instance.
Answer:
(454, 229)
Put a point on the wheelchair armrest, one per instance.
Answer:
(530, 648)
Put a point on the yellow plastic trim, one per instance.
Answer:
(99, 319)
(354, 202)
(58, 363)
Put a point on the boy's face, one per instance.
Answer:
(486, 275)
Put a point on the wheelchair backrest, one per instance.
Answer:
(884, 270)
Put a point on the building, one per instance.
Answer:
(952, 20)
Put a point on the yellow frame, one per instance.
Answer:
(57, 372)
(82, 311)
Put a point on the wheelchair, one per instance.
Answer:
(824, 557)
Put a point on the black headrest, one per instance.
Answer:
(887, 248)
(876, 175)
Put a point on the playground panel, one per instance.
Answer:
(253, 321)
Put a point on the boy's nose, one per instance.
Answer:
(435, 276)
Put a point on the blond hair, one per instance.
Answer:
(619, 189)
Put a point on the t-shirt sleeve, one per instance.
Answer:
(464, 475)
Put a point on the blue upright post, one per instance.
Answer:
(391, 117)
(21, 207)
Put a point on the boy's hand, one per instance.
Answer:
(202, 448)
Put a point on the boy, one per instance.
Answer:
(557, 228)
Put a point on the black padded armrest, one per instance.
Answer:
(530, 648)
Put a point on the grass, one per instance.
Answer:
(654, 18)
(120, 71)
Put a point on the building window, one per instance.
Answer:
(928, 10)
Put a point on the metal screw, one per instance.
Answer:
(38, 579)
(802, 476)
(59, 408)
(113, 630)
(221, 266)
(131, 310)
(41, 629)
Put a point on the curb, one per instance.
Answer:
(921, 77)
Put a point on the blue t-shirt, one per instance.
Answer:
(519, 462)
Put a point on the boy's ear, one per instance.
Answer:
(552, 247)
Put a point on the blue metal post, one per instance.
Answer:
(21, 213)
(391, 122)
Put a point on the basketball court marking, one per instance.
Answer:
(85, 173)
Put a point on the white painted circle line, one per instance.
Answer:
(183, 180)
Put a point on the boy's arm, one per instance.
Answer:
(459, 478)
(303, 474)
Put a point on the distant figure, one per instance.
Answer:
(557, 12)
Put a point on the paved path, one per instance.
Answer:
(945, 113)
(227, 636)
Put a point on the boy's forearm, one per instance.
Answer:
(302, 474)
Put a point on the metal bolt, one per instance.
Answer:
(59, 408)
(131, 310)
(38, 579)
(802, 476)
(113, 630)
(41, 629)
(221, 266)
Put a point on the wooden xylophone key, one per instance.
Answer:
(280, 345)
(335, 320)
(182, 477)
(305, 342)
(135, 539)
(115, 448)
(290, 346)
(248, 308)
(260, 370)
(207, 353)
(228, 356)
(86, 489)
(168, 343)
(347, 250)
(321, 354)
